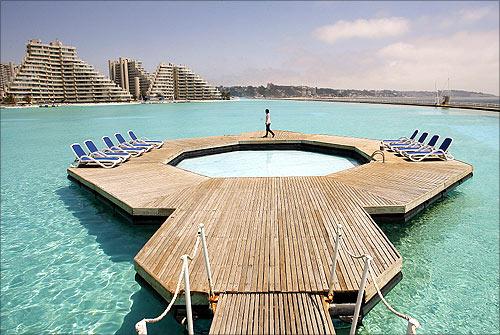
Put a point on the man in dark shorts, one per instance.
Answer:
(268, 123)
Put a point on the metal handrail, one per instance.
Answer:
(141, 326)
(378, 152)
(413, 324)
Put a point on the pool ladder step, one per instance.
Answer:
(378, 152)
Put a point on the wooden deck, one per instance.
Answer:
(270, 239)
(268, 235)
(272, 313)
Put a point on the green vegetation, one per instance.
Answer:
(225, 95)
(283, 91)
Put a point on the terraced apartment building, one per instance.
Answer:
(168, 82)
(163, 82)
(52, 73)
(190, 86)
(7, 73)
(130, 75)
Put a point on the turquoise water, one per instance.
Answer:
(67, 261)
(267, 163)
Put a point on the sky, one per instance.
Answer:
(359, 45)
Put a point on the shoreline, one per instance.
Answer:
(400, 103)
(71, 104)
(480, 107)
(83, 104)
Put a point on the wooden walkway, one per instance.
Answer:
(269, 235)
(270, 240)
(272, 313)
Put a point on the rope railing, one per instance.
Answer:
(350, 253)
(413, 324)
(141, 326)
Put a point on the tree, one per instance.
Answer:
(225, 95)
(261, 90)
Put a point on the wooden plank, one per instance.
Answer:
(242, 228)
(271, 313)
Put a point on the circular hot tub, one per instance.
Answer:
(267, 162)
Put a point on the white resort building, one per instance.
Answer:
(130, 75)
(162, 83)
(168, 82)
(7, 73)
(190, 86)
(52, 73)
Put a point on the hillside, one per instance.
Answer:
(281, 91)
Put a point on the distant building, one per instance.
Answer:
(7, 73)
(52, 73)
(190, 86)
(162, 82)
(130, 75)
(168, 82)
(178, 82)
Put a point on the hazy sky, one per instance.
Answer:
(372, 45)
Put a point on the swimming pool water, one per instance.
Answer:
(267, 163)
(67, 261)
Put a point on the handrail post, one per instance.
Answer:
(412, 326)
(361, 294)
(187, 293)
(201, 231)
(335, 257)
(379, 152)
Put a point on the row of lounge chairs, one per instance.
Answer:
(417, 150)
(112, 155)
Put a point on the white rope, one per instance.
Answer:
(389, 307)
(141, 326)
(412, 323)
(349, 253)
(195, 248)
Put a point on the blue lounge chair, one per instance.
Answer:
(106, 152)
(82, 159)
(417, 146)
(420, 141)
(124, 143)
(401, 140)
(440, 153)
(145, 140)
(135, 152)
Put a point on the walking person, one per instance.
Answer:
(268, 123)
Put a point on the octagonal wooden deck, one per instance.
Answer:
(270, 238)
